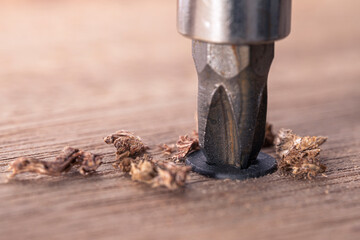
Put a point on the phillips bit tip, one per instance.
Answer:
(232, 100)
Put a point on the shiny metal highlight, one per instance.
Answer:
(234, 21)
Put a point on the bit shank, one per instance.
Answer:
(232, 100)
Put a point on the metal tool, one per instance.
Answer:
(233, 47)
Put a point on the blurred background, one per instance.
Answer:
(70, 55)
(58, 56)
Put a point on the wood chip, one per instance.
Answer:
(131, 158)
(167, 150)
(89, 163)
(144, 171)
(127, 146)
(124, 164)
(69, 157)
(186, 145)
(299, 156)
(166, 174)
(171, 175)
(125, 141)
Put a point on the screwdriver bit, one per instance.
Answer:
(233, 48)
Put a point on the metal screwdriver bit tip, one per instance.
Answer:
(233, 47)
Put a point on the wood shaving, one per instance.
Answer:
(167, 150)
(171, 175)
(269, 136)
(131, 158)
(127, 146)
(89, 163)
(144, 171)
(125, 141)
(299, 156)
(186, 145)
(167, 174)
(69, 157)
(124, 164)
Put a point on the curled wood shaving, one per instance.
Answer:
(131, 158)
(86, 162)
(144, 171)
(127, 146)
(124, 164)
(298, 156)
(167, 149)
(125, 141)
(186, 145)
(269, 136)
(171, 175)
(89, 163)
(167, 174)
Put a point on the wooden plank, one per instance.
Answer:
(73, 71)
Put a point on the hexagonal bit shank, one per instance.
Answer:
(232, 100)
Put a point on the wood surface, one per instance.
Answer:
(72, 72)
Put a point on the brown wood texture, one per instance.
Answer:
(73, 71)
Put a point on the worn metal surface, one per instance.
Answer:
(234, 21)
(232, 100)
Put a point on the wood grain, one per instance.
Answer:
(73, 71)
